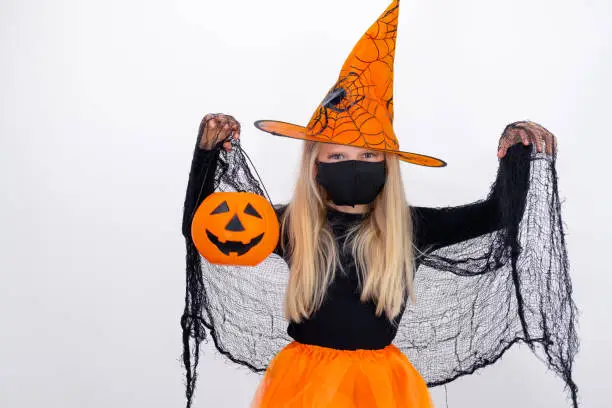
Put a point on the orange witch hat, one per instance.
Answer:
(358, 109)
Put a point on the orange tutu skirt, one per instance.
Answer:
(306, 376)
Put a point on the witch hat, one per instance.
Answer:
(358, 109)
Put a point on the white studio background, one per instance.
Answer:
(100, 103)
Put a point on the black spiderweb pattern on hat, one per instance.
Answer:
(354, 110)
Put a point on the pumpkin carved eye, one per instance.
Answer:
(222, 208)
(235, 228)
(251, 211)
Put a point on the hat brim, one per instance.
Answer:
(293, 131)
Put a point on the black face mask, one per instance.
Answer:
(352, 182)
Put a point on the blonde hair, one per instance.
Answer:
(381, 244)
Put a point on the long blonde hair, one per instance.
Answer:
(381, 244)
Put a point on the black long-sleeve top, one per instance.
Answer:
(343, 321)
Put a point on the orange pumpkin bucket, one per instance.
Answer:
(235, 228)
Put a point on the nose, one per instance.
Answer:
(234, 224)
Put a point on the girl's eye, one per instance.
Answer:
(336, 156)
(370, 155)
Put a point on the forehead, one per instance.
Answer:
(327, 148)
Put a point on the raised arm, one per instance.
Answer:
(439, 227)
(213, 135)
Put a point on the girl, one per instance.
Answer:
(352, 244)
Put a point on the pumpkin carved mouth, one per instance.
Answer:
(233, 246)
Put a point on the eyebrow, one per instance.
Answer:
(364, 152)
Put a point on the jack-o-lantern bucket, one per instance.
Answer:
(235, 228)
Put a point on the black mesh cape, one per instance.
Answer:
(475, 299)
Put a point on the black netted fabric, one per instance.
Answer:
(479, 297)
(475, 298)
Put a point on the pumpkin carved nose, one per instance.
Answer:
(234, 224)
